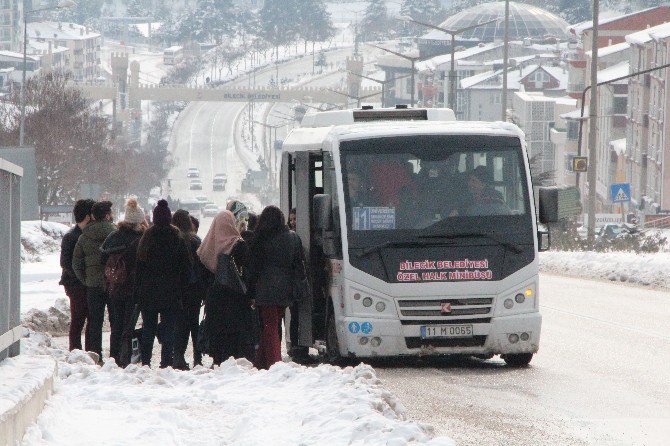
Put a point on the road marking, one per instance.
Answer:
(613, 324)
(211, 141)
(190, 141)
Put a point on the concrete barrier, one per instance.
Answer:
(26, 382)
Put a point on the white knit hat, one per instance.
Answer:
(134, 213)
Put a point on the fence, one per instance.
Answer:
(10, 265)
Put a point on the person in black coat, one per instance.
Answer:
(276, 260)
(189, 318)
(74, 289)
(123, 242)
(228, 315)
(161, 280)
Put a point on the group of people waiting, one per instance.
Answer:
(160, 269)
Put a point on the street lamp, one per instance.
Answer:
(412, 59)
(452, 71)
(382, 83)
(22, 96)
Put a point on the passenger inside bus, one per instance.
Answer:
(484, 198)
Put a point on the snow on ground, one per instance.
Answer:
(20, 377)
(40, 238)
(640, 269)
(232, 404)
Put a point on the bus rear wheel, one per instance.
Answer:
(517, 359)
(332, 345)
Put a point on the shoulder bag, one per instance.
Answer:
(228, 275)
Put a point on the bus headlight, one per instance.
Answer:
(367, 302)
(509, 303)
(519, 298)
(380, 306)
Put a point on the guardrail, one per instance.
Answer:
(10, 266)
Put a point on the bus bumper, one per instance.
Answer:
(369, 337)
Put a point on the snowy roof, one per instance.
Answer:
(436, 61)
(619, 146)
(587, 25)
(14, 55)
(645, 36)
(613, 72)
(514, 77)
(60, 30)
(43, 47)
(609, 50)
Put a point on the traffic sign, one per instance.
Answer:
(579, 164)
(620, 192)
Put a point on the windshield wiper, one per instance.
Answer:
(398, 243)
(386, 244)
(507, 244)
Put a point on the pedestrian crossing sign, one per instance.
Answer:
(620, 192)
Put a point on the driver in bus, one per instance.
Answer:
(359, 193)
(484, 198)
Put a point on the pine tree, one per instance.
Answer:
(375, 24)
(278, 21)
(315, 22)
(426, 11)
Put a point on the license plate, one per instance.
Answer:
(446, 331)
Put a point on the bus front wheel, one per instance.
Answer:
(517, 359)
(332, 345)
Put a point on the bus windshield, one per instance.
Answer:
(419, 183)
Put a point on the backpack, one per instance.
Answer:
(116, 274)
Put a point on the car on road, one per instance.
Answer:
(219, 182)
(195, 185)
(193, 206)
(210, 210)
(202, 199)
(193, 172)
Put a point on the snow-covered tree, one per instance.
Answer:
(426, 11)
(375, 24)
(278, 21)
(315, 22)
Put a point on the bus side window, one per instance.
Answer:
(330, 188)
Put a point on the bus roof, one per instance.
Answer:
(400, 113)
(174, 48)
(310, 139)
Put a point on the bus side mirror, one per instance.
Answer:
(557, 203)
(322, 211)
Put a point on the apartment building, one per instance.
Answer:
(82, 42)
(10, 24)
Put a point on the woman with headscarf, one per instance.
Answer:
(161, 279)
(228, 314)
(276, 261)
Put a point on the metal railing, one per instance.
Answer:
(10, 265)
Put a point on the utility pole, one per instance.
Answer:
(593, 127)
(503, 95)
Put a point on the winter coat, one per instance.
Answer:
(197, 285)
(274, 265)
(162, 270)
(125, 241)
(86, 259)
(226, 311)
(68, 277)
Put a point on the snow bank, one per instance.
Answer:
(639, 269)
(55, 320)
(40, 238)
(232, 404)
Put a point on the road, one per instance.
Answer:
(602, 376)
(204, 134)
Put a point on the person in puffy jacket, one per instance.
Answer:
(120, 248)
(87, 265)
(161, 279)
(276, 260)
(188, 319)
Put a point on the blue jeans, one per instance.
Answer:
(149, 331)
